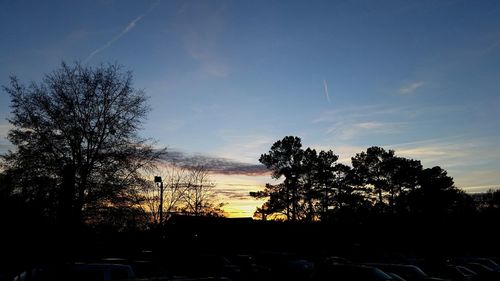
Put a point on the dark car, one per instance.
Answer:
(286, 266)
(484, 272)
(453, 272)
(350, 272)
(406, 271)
(205, 265)
(250, 269)
(395, 276)
(78, 272)
(484, 261)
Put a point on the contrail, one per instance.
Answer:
(326, 90)
(129, 27)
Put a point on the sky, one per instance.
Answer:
(226, 79)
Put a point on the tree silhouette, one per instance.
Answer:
(78, 149)
(316, 187)
(199, 198)
(327, 180)
(284, 159)
(277, 204)
(402, 181)
(311, 181)
(436, 194)
(372, 170)
(308, 184)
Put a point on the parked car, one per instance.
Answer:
(349, 272)
(453, 272)
(285, 266)
(406, 271)
(205, 265)
(395, 276)
(484, 272)
(250, 269)
(78, 272)
(484, 261)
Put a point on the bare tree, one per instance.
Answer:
(200, 198)
(186, 190)
(175, 182)
(77, 133)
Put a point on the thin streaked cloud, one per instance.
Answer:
(327, 94)
(245, 147)
(452, 151)
(202, 38)
(469, 160)
(108, 44)
(359, 121)
(345, 152)
(481, 188)
(235, 190)
(214, 164)
(345, 131)
(131, 25)
(410, 88)
(366, 114)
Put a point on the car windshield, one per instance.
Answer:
(380, 275)
(489, 263)
(465, 271)
(479, 268)
(407, 271)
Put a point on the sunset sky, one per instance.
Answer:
(226, 79)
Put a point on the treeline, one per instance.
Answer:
(79, 160)
(316, 187)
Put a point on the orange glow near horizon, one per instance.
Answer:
(234, 191)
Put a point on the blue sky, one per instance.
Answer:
(228, 78)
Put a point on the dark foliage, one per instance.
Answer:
(78, 151)
(316, 187)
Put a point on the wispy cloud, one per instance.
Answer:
(410, 88)
(472, 161)
(346, 130)
(235, 189)
(108, 44)
(371, 125)
(353, 122)
(201, 37)
(218, 165)
(235, 193)
(358, 112)
(348, 123)
(325, 86)
(345, 152)
(124, 31)
(450, 150)
(246, 147)
(481, 188)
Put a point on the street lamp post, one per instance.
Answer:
(158, 180)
